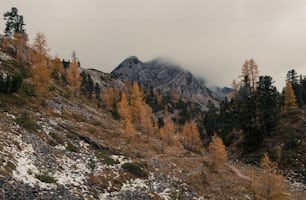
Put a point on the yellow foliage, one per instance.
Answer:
(136, 104)
(41, 80)
(218, 152)
(110, 96)
(146, 120)
(73, 75)
(268, 184)
(290, 99)
(190, 137)
(125, 114)
(167, 133)
(40, 69)
(250, 69)
(39, 54)
(58, 67)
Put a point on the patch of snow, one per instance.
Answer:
(25, 169)
(10, 115)
(73, 173)
(135, 184)
(121, 159)
(60, 147)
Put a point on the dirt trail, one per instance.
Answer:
(238, 172)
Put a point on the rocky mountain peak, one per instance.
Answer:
(165, 76)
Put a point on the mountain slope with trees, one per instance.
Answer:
(72, 133)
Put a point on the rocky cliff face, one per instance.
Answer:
(165, 77)
(105, 80)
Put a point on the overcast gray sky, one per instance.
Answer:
(211, 38)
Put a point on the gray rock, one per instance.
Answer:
(165, 77)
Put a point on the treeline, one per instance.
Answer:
(254, 110)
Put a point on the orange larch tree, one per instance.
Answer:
(268, 184)
(167, 133)
(218, 152)
(110, 97)
(73, 75)
(146, 120)
(125, 115)
(290, 103)
(40, 70)
(190, 137)
(250, 69)
(136, 104)
(58, 69)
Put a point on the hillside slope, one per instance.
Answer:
(68, 147)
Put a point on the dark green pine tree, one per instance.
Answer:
(90, 86)
(210, 119)
(227, 119)
(268, 104)
(8, 83)
(2, 83)
(303, 89)
(87, 86)
(249, 117)
(97, 91)
(14, 22)
(16, 83)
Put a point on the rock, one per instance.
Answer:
(165, 77)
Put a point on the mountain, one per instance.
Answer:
(165, 77)
(70, 147)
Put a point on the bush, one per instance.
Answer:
(10, 83)
(46, 178)
(104, 156)
(26, 122)
(28, 89)
(72, 148)
(134, 169)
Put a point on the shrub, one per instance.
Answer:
(92, 130)
(28, 89)
(72, 148)
(134, 169)
(26, 122)
(46, 178)
(104, 156)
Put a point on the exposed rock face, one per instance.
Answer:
(104, 80)
(165, 77)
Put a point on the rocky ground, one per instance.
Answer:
(70, 150)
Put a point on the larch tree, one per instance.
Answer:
(146, 120)
(250, 69)
(290, 103)
(110, 98)
(58, 68)
(218, 152)
(40, 70)
(40, 49)
(268, 184)
(136, 104)
(167, 132)
(124, 110)
(73, 75)
(190, 137)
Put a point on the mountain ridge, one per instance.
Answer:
(166, 77)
